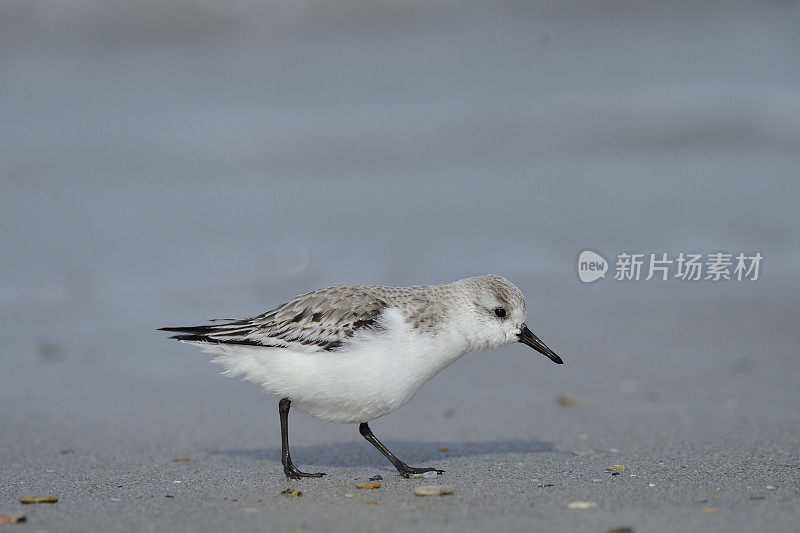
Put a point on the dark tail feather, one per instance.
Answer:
(191, 338)
(194, 330)
(203, 338)
(190, 333)
(201, 334)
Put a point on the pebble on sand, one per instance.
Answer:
(710, 510)
(581, 506)
(371, 485)
(444, 449)
(181, 460)
(12, 518)
(433, 490)
(38, 499)
(292, 493)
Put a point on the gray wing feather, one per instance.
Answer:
(321, 319)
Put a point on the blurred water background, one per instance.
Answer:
(166, 162)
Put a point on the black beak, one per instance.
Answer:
(526, 336)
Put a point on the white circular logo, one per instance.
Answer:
(591, 266)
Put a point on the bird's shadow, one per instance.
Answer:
(355, 453)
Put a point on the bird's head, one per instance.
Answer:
(496, 315)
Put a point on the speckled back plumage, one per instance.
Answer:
(325, 318)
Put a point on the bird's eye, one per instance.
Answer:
(500, 312)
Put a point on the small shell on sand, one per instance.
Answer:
(581, 506)
(433, 490)
(38, 499)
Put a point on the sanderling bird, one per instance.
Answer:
(351, 354)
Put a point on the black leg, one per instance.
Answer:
(401, 467)
(289, 469)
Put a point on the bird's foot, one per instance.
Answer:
(293, 473)
(407, 471)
